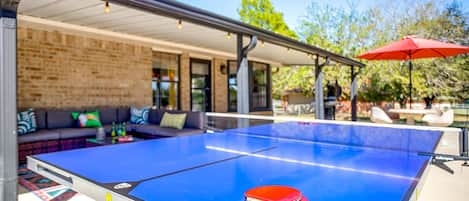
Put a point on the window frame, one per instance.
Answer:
(251, 86)
(209, 63)
(159, 81)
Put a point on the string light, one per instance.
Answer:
(228, 35)
(180, 24)
(107, 9)
(288, 49)
(262, 43)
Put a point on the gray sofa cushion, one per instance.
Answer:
(41, 120)
(193, 120)
(108, 115)
(169, 132)
(40, 135)
(155, 116)
(123, 114)
(67, 133)
(61, 119)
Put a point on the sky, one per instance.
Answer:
(294, 9)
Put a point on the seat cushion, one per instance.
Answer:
(176, 121)
(139, 115)
(40, 135)
(61, 119)
(133, 127)
(193, 119)
(106, 115)
(87, 119)
(67, 133)
(26, 122)
(41, 118)
(155, 116)
(169, 132)
(123, 114)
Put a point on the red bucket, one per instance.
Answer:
(274, 193)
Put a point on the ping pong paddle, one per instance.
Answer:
(274, 193)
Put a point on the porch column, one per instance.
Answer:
(8, 137)
(353, 93)
(242, 78)
(318, 91)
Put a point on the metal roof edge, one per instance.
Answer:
(178, 10)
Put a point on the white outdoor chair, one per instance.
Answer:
(444, 120)
(379, 116)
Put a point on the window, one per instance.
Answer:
(201, 85)
(232, 86)
(259, 84)
(165, 82)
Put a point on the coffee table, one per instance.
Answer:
(93, 142)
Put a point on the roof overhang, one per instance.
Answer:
(154, 21)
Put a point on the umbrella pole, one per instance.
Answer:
(410, 83)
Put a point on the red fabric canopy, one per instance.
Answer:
(411, 47)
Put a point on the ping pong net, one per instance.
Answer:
(331, 132)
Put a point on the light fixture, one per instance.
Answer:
(228, 35)
(107, 9)
(180, 24)
(223, 69)
(288, 49)
(262, 43)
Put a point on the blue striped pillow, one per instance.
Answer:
(139, 115)
(26, 121)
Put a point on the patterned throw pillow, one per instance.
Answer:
(139, 115)
(173, 120)
(87, 119)
(26, 122)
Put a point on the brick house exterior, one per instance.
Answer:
(58, 69)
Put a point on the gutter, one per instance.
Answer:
(177, 10)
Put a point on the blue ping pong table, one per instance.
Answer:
(326, 162)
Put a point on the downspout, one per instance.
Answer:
(243, 74)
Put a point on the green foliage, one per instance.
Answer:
(350, 32)
(261, 13)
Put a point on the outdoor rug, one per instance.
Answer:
(43, 188)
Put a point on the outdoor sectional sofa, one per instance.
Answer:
(57, 130)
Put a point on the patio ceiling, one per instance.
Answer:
(155, 23)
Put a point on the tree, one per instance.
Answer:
(350, 32)
(261, 13)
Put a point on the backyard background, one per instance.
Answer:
(349, 31)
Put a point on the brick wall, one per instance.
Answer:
(220, 86)
(61, 70)
(57, 70)
(185, 82)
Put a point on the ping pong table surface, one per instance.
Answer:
(326, 162)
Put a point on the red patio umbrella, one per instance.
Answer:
(411, 47)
